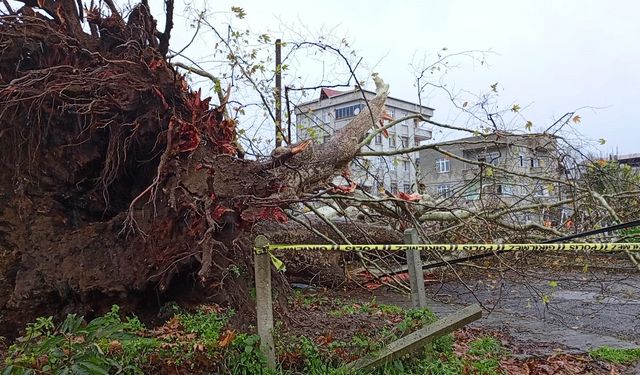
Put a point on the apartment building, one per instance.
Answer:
(496, 170)
(319, 119)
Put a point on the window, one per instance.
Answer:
(504, 189)
(442, 165)
(405, 165)
(406, 188)
(379, 162)
(507, 190)
(492, 158)
(394, 188)
(405, 141)
(416, 141)
(521, 158)
(535, 163)
(350, 111)
(540, 190)
(378, 139)
(473, 192)
(392, 140)
(444, 191)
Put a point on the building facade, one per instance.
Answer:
(319, 119)
(499, 170)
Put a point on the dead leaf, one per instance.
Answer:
(324, 340)
(345, 189)
(415, 197)
(227, 338)
(114, 347)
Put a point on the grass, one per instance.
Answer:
(347, 308)
(485, 353)
(486, 347)
(201, 341)
(614, 355)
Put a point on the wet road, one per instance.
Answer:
(543, 310)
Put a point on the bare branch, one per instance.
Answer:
(163, 47)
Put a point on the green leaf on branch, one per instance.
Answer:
(489, 172)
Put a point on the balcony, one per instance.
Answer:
(422, 134)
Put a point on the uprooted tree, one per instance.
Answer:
(118, 181)
(115, 175)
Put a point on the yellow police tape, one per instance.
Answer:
(598, 247)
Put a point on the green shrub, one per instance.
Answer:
(104, 345)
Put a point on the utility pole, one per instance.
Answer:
(278, 94)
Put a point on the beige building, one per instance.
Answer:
(492, 171)
(319, 119)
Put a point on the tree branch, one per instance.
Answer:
(163, 47)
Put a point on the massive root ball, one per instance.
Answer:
(96, 131)
(116, 179)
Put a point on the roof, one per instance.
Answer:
(537, 140)
(627, 157)
(496, 135)
(326, 93)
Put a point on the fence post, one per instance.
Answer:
(264, 303)
(414, 265)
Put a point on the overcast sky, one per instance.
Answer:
(550, 57)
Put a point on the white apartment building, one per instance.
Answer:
(319, 119)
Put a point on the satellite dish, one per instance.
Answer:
(356, 111)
